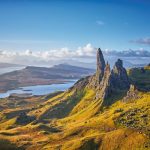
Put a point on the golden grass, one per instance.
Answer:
(84, 128)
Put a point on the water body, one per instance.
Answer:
(39, 89)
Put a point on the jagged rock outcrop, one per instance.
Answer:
(104, 88)
(109, 81)
(105, 82)
(120, 78)
(100, 65)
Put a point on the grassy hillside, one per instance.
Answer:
(140, 77)
(124, 125)
(75, 120)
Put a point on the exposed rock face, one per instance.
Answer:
(120, 78)
(100, 65)
(106, 82)
(109, 81)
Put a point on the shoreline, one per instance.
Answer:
(21, 86)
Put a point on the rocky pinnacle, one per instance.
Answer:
(100, 65)
(120, 77)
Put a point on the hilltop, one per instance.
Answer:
(32, 75)
(108, 110)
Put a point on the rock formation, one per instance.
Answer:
(119, 76)
(109, 81)
(105, 82)
(104, 88)
(100, 65)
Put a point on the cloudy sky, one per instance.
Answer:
(39, 32)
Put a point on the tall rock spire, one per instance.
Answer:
(112, 81)
(100, 65)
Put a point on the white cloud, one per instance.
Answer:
(29, 57)
(84, 54)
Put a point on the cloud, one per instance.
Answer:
(85, 54)
(145, 41)
(100, 23)
(51, 57)
(128, 53)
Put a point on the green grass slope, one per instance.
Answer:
(140, 77)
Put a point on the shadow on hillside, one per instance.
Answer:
(7, 145)
(118, 95)
(63, 108)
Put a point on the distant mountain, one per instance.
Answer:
(61, 71)
(41, 76)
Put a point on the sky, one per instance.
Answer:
(42, 29)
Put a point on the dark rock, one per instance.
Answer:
(100, 65)
(119, 77)
(105, 82)
(105, 85)
(112, 81)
